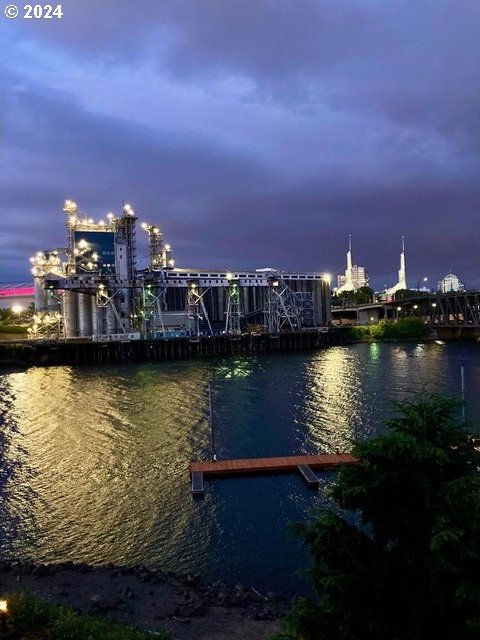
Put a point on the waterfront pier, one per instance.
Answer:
(303, 464)
(86, 352)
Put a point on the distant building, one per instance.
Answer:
(360, 278)
(354, 277)
(450, 283)
(402, 275)
(17, 296)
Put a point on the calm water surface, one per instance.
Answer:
(94, 461)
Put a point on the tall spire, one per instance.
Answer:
(349, 256)
(348, 282)
(402, 276)
(402, 273)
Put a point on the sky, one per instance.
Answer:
(255, 133)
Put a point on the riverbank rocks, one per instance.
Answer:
(151, 598)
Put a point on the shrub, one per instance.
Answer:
(399, 556)
(406, 328)
(30, 614)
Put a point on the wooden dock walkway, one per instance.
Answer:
(254, 466)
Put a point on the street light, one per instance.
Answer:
(3, 615)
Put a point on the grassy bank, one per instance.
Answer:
(33, 618)
(411, 328)
(12, 331)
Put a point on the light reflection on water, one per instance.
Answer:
(94, 461)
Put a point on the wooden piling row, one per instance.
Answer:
(82, 351)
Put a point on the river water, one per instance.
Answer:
(94, 460)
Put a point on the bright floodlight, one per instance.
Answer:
(70, 206)
(17, 308)
(3, 606)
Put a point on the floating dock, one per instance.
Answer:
(197, 483)
(308, 475)
(254, 466)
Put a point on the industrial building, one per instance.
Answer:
(93, 289)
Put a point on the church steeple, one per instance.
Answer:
(402, 273)
(349, 284)
(349, 254)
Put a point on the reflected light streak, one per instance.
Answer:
(334, 401)
(98, 445)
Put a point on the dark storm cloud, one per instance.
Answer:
(101, 161)
(99, 153)
(359, 117)
(384, 50)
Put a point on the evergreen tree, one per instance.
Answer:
(400, 558)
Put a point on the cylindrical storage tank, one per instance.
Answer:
(40, 298)
(95, 323)
(89, 300)
(83, 314)
(111, 320)
(70, 314)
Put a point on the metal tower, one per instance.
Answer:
(196, 310)
(152, 303)
(155, 285)
(233, 312)
(282, 308)
(126, 231)
(108, 312)
(160, 253)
